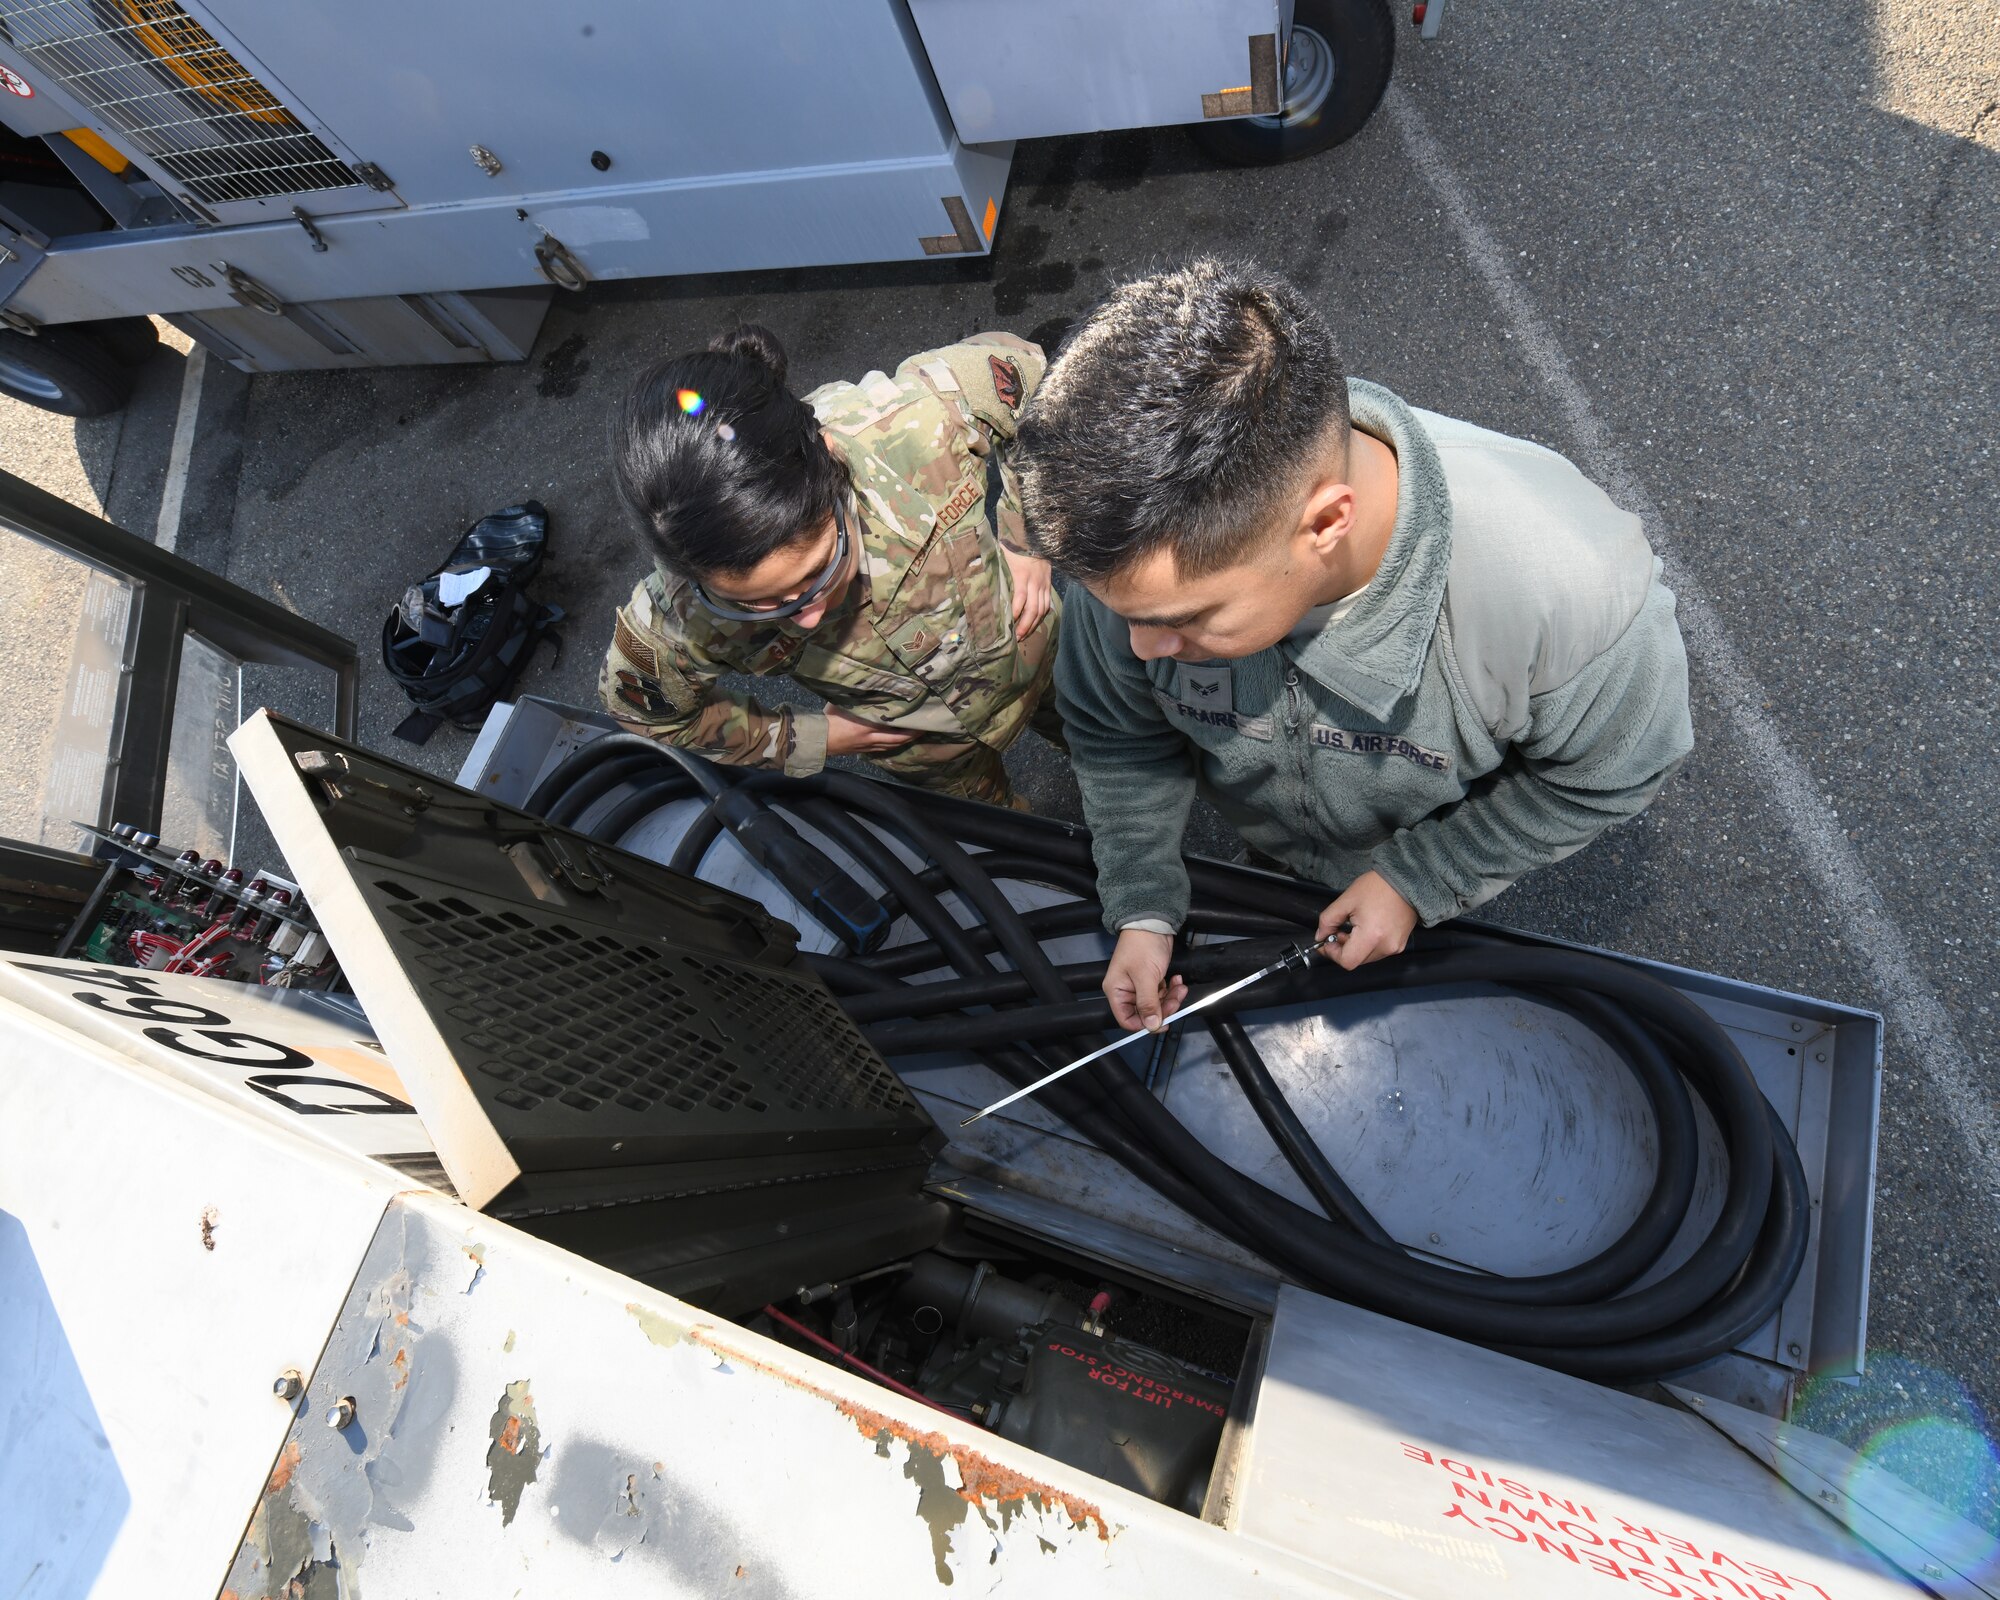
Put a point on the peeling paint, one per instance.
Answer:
(515, 1455)
(507, 1349)
(209, 1218)
(943, 1505)
(657, 1327)
(288, 1463)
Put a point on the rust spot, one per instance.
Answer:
(288, 1463)
(514, 1458)
(402, 1319)
(209, 1217)
(401, 1362)
(740, 1572)
(983, 1479)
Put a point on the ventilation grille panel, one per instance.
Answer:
(616, 1029)
(158, 76)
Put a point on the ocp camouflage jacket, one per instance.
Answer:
(924, 638)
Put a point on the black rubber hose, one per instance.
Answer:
(593, 785)
(650, 793)
(1737, 1277)
(1289, 1134)
(1486, 1308)
(573, 767)
(1018, 1067)
(1086, 916)
(1207, 963)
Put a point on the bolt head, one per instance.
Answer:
(1795, 1349)
(341, 1413)
(288, 1385)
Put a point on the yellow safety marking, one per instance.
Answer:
(105, 155)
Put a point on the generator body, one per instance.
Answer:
(469, 1281)
(302, 186)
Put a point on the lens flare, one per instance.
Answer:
(690, 402)
(1926, 1430)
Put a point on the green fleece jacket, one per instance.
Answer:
(1510, 684)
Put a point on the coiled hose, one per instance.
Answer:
(1585, 1319)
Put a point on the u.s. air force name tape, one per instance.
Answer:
(1352, 741)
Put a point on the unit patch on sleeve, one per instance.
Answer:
(1006, 382)
(643, 694)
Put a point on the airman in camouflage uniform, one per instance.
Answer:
(923, 640)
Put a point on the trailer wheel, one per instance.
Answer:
(66, 370)
(131, 340)
(1337, 67)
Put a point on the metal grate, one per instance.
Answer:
(595, 1022)
(168, 84)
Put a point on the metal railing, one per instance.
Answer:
(170, 598)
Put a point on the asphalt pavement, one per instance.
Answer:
(1736, 259)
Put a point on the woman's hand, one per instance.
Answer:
(1034, 589)
(849, 735)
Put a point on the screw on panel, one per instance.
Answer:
(341, 1413)
(600, 160)
(1794, 1350)
(288, 1385)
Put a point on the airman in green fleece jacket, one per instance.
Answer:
(1410, 658)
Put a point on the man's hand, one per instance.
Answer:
(849, 735)
(1136, 982)
(1381, 922)
(1033, 588)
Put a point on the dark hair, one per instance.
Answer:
(1180, 414)
(722, 463)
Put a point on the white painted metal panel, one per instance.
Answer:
(281, 1054)
(1953, 1557)
(1040, 67)
(163, 1257)
(1433, 1467)
(529, 1424)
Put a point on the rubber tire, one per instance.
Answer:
(131, 340)
(91, 380)
(1362, 36)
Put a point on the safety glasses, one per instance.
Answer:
(777, 610)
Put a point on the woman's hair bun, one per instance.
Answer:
(753, 342)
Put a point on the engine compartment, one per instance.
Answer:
(1101, 1373)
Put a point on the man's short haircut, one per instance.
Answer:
(1181, 414)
